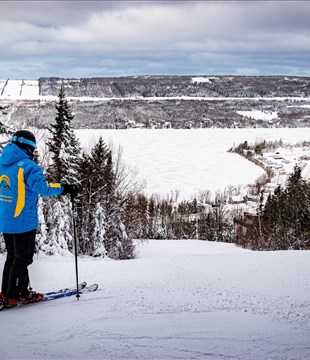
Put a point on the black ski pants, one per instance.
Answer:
(20, 251)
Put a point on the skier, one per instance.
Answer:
(21, 182)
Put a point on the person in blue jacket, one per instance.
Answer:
(21, 182)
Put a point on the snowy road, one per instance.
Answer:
(178, 300)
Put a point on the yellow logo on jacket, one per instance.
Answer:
(5, 188)
(5, 182)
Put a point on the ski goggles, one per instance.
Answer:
(22, 140)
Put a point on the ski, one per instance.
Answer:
(53, 295)
(81, 286)
(69, 292)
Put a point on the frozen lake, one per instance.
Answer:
(189, 160)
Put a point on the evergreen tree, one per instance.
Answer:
(84, 206)
(272, 212)
(286, 214)
(63, 145)
(100, 206)
(136, 216)
(41, 238)
(114, 228)
(101, 162)
(93, 185)
(98, 232)
(58, 222)
(297, 209)
(65, 157)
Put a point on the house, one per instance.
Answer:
(270, 187)
(167, 125)
(236, 199)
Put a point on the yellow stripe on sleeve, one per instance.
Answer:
(21, 192)
(55, 185)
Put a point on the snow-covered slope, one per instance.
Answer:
(19, 89)
(178, 300)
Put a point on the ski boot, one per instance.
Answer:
(2, 301)
(30, 298)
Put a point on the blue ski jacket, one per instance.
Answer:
(21, 182)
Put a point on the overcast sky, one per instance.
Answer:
(121, 38)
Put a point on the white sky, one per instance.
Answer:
(120, 38)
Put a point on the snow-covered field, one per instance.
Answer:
(259, 115)
(178, 300)
(191, 160)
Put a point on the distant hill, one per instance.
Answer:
(171, 86)
(161, 101)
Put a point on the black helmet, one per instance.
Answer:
(25, 140)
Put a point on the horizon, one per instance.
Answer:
(158, 75)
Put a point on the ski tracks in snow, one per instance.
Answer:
(222, 305)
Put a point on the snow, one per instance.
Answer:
(283, 161)
(2, 84)
(259, 115)
(19, 89)
(12, 89)
(30, 89)
(178, 300)
(190, 160)
(200, 79)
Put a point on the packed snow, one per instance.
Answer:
(178, 300)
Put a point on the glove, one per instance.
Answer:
(71, 189)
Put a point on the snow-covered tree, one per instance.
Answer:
(286, 215)
(284, 221)
(101, 207)
(92, 166)
(115, 232)
(58, 222)
(98, 231)
(64, 152)
(63, 144)
(84, 205)
(41, 238)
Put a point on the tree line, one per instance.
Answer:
(283, 222)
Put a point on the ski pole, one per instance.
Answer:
(75, 249)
